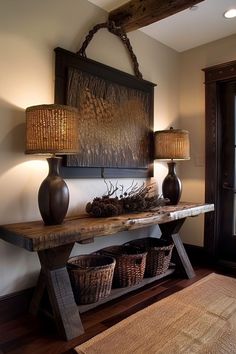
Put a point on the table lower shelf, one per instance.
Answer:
(115, 293)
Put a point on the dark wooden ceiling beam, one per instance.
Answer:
(139, 13)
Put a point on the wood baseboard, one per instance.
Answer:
(198, 255)
(15, 304)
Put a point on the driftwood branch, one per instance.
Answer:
(134, 198)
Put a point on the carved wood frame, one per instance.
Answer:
(66, 60)
(214, 76)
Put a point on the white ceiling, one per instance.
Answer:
(189, 28)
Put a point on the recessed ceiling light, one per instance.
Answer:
(230, 13)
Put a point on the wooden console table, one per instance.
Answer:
(54, 245)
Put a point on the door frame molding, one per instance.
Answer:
(214, 76)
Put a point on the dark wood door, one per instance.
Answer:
(227, 225)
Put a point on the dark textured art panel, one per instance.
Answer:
(114, 122)
(115, 118)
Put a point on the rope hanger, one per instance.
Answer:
(117, 31)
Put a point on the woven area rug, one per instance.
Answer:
(199, 319)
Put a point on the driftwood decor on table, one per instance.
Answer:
(119, 200)
(116, 113)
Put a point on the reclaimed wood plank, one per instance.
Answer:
(65, 311)
(38, 294)
(135, 14)
(35, 236)
(54, 282)
(183, 256)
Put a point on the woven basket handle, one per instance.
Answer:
(117, 31)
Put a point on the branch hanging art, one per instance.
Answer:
(115, 113)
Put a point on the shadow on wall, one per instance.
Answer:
(194, 168)
(12, 135)
(14, 141)
(117, 239)
(18, 177)
(28, 280)
(18, 268)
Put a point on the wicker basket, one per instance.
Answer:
(159, 253)
(91, 277)
(130, 265)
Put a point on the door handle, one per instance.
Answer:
(228, 187)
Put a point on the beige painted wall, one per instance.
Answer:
(192, 118)
(29, 31)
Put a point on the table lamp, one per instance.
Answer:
(173, 145)
(52, 129)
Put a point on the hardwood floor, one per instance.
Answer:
(29, 335)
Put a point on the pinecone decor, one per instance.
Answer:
(105, 206)
(133, 199)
